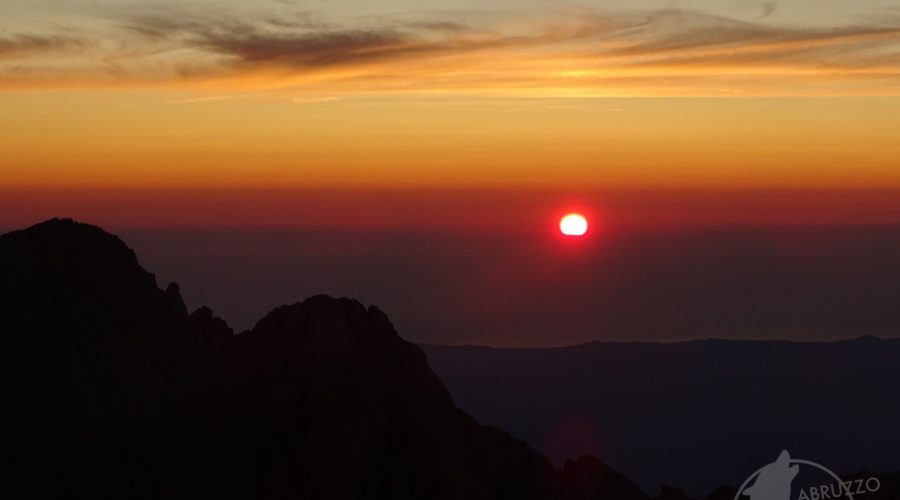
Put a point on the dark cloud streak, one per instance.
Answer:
(674, 36)
(299, 41)
(26, 45)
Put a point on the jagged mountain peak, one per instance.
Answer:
(112, 389)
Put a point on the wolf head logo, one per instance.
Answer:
(774, 480)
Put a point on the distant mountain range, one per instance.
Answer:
(696, 414)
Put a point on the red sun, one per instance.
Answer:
(573, 225)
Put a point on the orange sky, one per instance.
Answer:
(152, 138)
(755, 97)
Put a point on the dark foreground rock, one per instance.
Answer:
(111, 389)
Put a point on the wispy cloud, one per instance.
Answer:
(315, 100)
(19, 46)
(201, 100)
(304, 43)
(587, 52)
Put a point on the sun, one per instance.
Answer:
(573, 225)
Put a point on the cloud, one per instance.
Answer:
(201, 100)
(676, 34)
(685, 51)
(301, 42)
(18, 46)
(315, 100)
(317, 49)
(680, 38)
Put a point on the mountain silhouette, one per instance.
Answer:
(112, 389)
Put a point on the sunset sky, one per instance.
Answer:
(459, 120)
(619, 93)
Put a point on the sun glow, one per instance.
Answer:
(573, 225)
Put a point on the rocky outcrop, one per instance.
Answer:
(113, 390)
